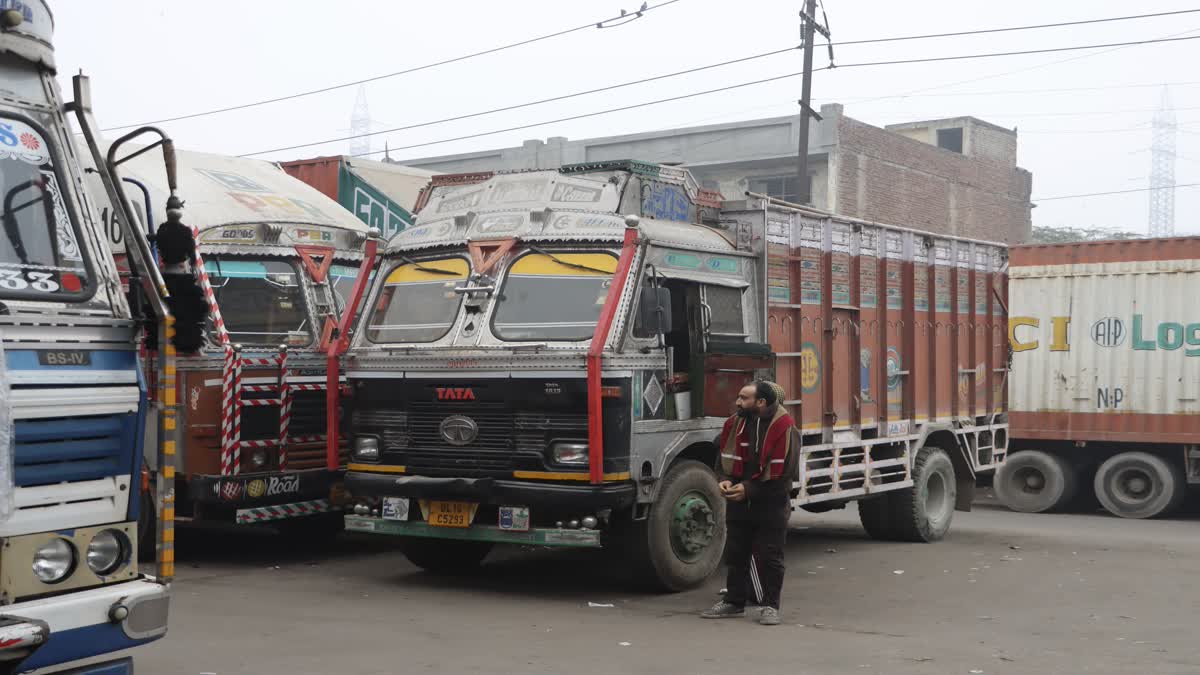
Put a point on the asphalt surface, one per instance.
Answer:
(1004, 593)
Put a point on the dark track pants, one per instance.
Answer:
(753, 541)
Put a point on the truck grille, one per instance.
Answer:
(64, 450)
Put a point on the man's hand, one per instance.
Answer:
(724, 486)
(735, 493)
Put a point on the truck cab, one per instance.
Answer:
(71, 585)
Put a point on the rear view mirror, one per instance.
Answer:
(653, 312)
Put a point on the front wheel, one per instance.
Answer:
(923, 512)
(680, 543)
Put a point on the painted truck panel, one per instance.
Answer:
(1106, 341)
(880, 330)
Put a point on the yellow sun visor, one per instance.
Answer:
(450, 268)
(537, 264)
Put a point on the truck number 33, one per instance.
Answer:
(14, 280)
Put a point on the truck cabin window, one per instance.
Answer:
(725, 308)
(553, 296)
(418, 302)
(40, 255)
(261, 300)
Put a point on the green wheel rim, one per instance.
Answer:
(693, 526)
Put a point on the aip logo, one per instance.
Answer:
(1108, 332)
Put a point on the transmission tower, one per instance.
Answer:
(1162, 170)
(360, 124)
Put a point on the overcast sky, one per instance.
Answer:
(154, 59)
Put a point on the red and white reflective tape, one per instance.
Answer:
(261, 402)
(258, 445)
(227, 412)
(237, 413)
(209, 294)
(263, 514)
(307, 387)
(285, 408)
(259, 388)
(257, 362)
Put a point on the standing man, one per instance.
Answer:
(759, 449)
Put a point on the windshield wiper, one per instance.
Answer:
(421, 268)
(565, 263)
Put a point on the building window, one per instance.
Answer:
(951, 139)
(779, 187)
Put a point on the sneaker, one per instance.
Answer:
(723, 610)
(769, 617)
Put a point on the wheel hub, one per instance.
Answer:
(693, 526)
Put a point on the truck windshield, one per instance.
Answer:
(418, 302)
(40, 255)
(260, 300)
(553, 296)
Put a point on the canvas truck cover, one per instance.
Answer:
(1106, 341)
(381, 194)
(238, 202)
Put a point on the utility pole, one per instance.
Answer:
(810, 26)
(1162, 170)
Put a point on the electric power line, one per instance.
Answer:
(1112, 192)
(1013, 28)
(427, 66)
(764, 81)
(600, 24)
(517, 106)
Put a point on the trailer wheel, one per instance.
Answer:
(875, 514)
(445, 556)
(680, 543)
(1139, 485)
(1032, 481)
(923, 512)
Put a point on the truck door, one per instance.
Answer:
(728, 359)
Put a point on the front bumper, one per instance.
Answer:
(83, 624)
(252, 490)
(617, 495)
(536, 536)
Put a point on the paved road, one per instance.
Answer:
(1005, 593)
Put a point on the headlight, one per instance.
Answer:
(259, 458)
(106, 552)
(569, 453)
(54, 561)
(366, 447)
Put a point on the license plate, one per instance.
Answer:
(395, 508)
(65, 357)
(451, 514)
(514, 518)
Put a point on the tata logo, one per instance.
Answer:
(1108, 332)
(459, 430)
(455, 394)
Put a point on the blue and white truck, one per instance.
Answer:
(76, 396)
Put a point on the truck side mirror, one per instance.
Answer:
(653, 312)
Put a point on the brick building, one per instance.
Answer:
(955, 176)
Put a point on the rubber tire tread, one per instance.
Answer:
(1055, 468)
(1173, 480)
(655, 564)
(875, 514)
(909, 521)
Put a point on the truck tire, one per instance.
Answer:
(445, 556)
(1139, 485)
(923, 512)
(1032, 481)
(876, 517)
(680, 543)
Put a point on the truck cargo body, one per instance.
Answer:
(1106, 375)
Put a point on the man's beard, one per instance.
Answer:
(743, 412)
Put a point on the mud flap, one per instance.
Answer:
(966, 491)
